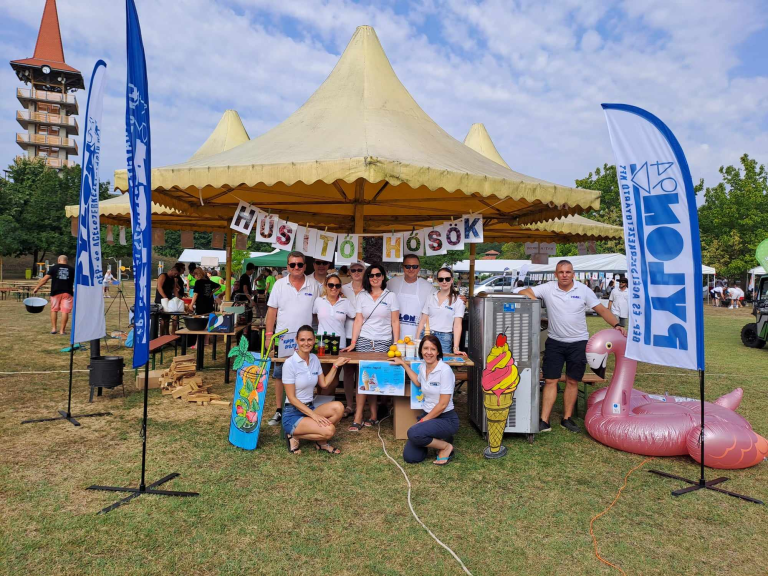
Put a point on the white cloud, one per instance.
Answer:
(534, 72)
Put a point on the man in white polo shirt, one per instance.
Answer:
(290, 307)
(567, 302)
(412, 293)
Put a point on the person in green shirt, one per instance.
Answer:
(191, 279)
(270, 280)
(214, 276)
(261, 282)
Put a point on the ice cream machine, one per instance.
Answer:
(505, 340)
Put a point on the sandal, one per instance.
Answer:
(327, 448)
(348, 411)
(443, 460)
(355, 427)
(291, 449)
(371, 422)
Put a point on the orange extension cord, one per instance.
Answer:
(618, 495)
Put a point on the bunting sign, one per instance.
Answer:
(138, 144)
(661, 236)
(88, 315)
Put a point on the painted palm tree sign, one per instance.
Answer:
(248, 400)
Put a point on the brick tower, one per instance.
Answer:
(49, 105)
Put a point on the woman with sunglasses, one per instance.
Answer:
(301, 419)
(438, 422)
(350, 292)
(444, 310)
(377, 325)
(332, 310)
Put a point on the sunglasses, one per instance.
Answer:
(445, 279)
(411, 266)
(334, 286)
(296, 265)
(322, 263)
(356, 270)
(377, 275)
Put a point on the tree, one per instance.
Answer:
(606, 182)
(734, 218)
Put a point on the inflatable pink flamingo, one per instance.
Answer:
(633, 421)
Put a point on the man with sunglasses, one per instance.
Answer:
(412, 294)
(321, 272)
(289, 308)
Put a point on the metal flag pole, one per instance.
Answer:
(702, 483)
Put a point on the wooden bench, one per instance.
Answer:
(589, 379)
(160, 343)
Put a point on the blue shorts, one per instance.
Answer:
(292, 416)
(446, 341)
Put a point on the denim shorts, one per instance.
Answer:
(446, 341)
(292, 416)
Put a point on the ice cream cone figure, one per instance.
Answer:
(500, 380)
(365, 379)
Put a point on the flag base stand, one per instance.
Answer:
(143, 488)
(702, 484)
(68, 414)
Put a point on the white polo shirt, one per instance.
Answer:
(349, 292)
(302, 375)
(294, 307)
(441, 316)
(411, 298)
(440, 381)
(378, 313)
(332, 317)
(619, 301)
(566, 311)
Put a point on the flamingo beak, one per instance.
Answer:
(598, 363)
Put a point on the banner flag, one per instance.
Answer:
(473, 228)
(392, 247)
(661, 236)
(286, 233)
(325, 247)
(138, 148)
(414, 242)
(346, 252)
(88, 313)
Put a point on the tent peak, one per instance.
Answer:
(229, 132)
(480, 141)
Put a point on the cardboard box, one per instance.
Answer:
(154, 379)
(404, 417)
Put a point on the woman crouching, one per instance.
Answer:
(301, 420)
(438, 422)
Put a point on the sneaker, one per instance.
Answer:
(569, 425)
(544, 426)
(275, 420)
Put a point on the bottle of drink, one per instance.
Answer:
(321, 347)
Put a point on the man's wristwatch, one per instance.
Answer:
(617, 325)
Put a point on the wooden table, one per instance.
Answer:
(201, 334)
(403, 417)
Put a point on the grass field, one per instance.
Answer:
(266, 512)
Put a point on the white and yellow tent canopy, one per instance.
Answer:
(228, 133)
(361, 155)
(571, 228)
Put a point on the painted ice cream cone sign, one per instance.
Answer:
(500, 380)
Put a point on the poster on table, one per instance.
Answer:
(346, 252)
(286, 233)
(244, 218)
(139, 152)
(417, 397)
(248, 397)
(88, 314)
(661, 237)
(381, 378)
(473, 228)
(287, 345)
(414, 243)
(393, 248)
(325, 247)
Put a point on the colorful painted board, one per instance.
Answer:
(417, 398)
(248, 399)
(499, 381)
(381, 378)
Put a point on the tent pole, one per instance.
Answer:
(472, 252)
(359, 214)
(228, 275)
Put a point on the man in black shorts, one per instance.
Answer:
(567, 302)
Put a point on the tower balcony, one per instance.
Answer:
(51, 162)
(25, 118)
(27, 141)
(67, 101)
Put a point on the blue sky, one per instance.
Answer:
(534, 72)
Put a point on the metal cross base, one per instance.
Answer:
(136, 492)
(701, 484)
(68, 417)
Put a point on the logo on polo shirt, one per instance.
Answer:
(308, 294)
(576, 297)
(434, 383)
(448, 308)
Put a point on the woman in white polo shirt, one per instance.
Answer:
(438, 422)
(377, 325)
(444, 310)
(332, 310)
(301, 420)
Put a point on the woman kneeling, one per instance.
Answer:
(301, 420)
(438, 422)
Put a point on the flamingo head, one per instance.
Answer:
(600, 345)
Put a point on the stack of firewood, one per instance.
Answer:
(182, 382)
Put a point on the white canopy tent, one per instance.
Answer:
(196, 256)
